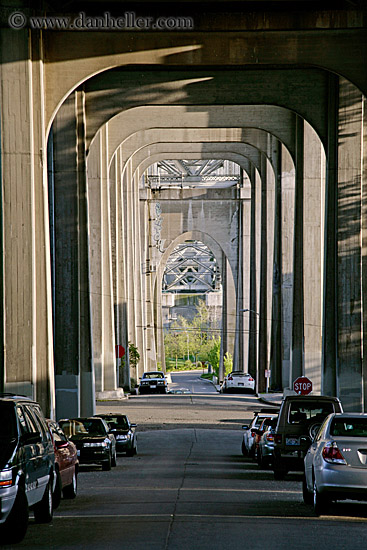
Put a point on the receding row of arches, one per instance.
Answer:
(288, 237)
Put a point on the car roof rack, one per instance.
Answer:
(10, 394)
(270, 410)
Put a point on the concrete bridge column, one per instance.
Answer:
(263, 295)
(349, 239)
(286, 277)
(254, 274)
(276, 326)
(73, 332)
(313, 254)
(245, 280)
(101, 265)
(27, 361)
(297, 347)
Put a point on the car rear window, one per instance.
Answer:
(8, 428)
(301, 411)
(349, 427)
(116, 422)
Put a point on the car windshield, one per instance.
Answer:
(92, 427)
(153, 375)
(302, 411)
(8, 428)
(349, 427)
(117, 422)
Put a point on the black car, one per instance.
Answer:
(27, 466)
(94, 441)
(124, 432)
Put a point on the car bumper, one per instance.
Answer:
(158, 389)
(93, 456)
(343, 482)
(292, 460)
(123, 445)
(7, 499)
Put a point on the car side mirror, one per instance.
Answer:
(133, 425)
(245, 427)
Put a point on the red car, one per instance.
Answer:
(66, 464)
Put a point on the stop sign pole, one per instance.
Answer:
(302, 385)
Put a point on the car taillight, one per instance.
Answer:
(270, 437)
(250, 379)
(253, 434)
(331, 454)
(230, 378)
(278, 439)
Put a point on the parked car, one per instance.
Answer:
(299, 419)
(264, 442)
(336, 462)
(27, 466)
(238, 381)
(66, 464)
(124, 432)
(93, 440)
(153, 382)
(248, 440)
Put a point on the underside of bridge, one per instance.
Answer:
(276, 88)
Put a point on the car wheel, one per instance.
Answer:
(106, 464)
(15, 526)
(43, 511)
(70, 490)
(307, 496)
(56, 497)
(320, 501)
(244, 450)
(114, 459)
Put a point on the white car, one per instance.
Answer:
(238, 381)
(153, 382)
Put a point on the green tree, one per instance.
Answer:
(228, 363)
(214, 356)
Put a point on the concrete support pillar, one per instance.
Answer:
(26, 330)
(287, 233)
(254, 273)
(263, 289)
(276, 326)
(101, 265)
(297, 349)
(349, 238)
(364, 254)
(313, 254)
(246, 262)
(73, 333)
(330, 348)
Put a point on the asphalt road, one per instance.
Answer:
(190, 488)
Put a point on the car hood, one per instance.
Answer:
(88, 438)
(120, 431)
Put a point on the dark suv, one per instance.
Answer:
(299, 419)
(27, 466)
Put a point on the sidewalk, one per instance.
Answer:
(271, 398)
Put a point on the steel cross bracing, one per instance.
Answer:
(191, 268)
(193, 173)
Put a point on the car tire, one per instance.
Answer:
(320, 501)
(70, 491)
(43, 510)
(15, 526)
(307, 496)
(56, 497)
(243, 449)
(106, 464)
(114, 459)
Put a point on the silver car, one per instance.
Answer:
(336, 461)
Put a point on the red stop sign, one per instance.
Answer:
(120, 351)
(302, 385)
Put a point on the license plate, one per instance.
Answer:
(292, 441)
(153, 386)
(241, 384)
